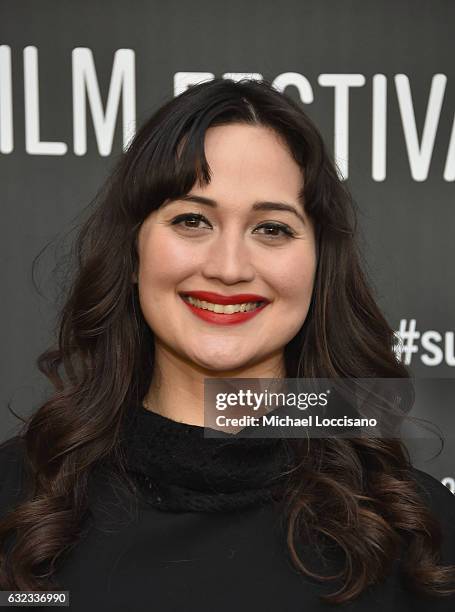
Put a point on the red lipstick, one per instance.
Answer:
(217, 298)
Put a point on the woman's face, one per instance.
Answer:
(230, 247)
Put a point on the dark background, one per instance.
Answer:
(407, 225)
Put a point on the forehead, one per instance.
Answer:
(249, 162)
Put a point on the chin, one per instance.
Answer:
(223, 367)
(216, 363)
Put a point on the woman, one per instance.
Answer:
(113, 493)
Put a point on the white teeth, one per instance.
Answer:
(219, 308)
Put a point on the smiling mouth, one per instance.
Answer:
(220, 308)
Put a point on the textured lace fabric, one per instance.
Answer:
(177, 468)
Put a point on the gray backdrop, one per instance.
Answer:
(377, 78)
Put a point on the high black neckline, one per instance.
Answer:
(178, 469)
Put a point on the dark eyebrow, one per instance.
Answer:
(256, 205)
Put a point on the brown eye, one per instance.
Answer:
(276, 230)
(189, 220)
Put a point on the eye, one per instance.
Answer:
(273, 231)
(276, 228)
(189, 221)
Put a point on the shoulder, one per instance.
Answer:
(12, 453)
(441, 502)
(438, 495)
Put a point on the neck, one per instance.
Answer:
(177, 387)
(178, 469)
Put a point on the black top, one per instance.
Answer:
(205, 532)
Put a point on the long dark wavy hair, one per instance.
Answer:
(359, 493)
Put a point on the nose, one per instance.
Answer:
(228, 259)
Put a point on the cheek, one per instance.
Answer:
(164, 261)
(292, 276)
(163, 264)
